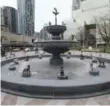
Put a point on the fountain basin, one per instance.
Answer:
(56, 46)
(43, 86)
(56, 29)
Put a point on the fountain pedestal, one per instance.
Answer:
(56, 60)
(56, 45)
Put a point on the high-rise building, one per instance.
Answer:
(9, 18)
(2, 17)
(44, 34)
(26, 17)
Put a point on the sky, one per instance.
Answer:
(43, 10)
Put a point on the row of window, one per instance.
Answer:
(19, 42)
(76, 4)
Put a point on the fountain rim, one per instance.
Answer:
(56, 25)
(55, 41)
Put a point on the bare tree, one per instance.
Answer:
(103, 28)
(80, 35)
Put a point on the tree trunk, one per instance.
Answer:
(105, 47)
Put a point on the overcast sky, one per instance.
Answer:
(43, 10)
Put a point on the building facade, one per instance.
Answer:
(9, 18)
(85, 11)
(37, 34)
(44, 35)
(76, 5)
(88, 9)
(26, 17)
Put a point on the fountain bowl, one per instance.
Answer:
(56, 46)
(56, 29)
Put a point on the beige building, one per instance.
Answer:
(10, 38)
(84, 11)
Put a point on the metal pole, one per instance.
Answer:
(55, 20)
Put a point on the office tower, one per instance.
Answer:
(26, 14)
(9, 18)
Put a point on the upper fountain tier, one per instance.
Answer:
(57, 44)
(56, 30)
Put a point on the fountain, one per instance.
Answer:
(35, 77)
(94, 60)
(16, 61)
(26, 72)
(62, 75)
(12, 67)
(57, 45)
(102, 64)
(94, 69)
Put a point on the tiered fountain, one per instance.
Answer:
(57, 45)
(37, 78)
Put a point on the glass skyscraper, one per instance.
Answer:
(26, 17)
(9, 18)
